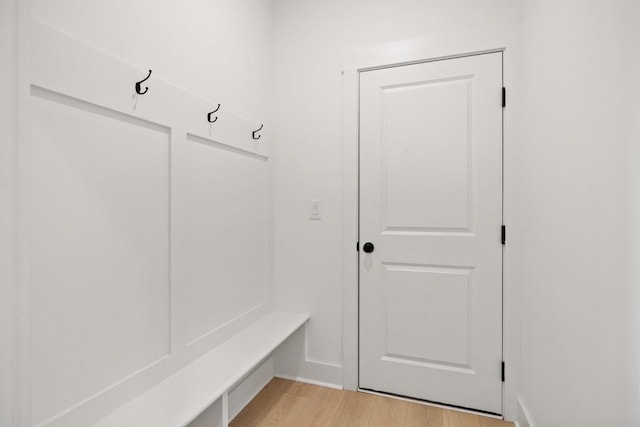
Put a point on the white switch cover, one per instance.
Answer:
(314, 209)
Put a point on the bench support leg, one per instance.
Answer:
(225, 409)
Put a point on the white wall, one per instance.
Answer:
(217, 49)
(150, 229)
(580, 301)
(579, 194)
(311, 39)
(570, 185)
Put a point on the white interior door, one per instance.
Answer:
(431, 206)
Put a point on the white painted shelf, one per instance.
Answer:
(179, 399)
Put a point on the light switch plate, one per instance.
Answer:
(314, 210)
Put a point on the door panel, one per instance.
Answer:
(413, 180)
(431, 202)
(427, 298)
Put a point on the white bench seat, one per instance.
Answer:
(184, 395)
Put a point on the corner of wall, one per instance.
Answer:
(291, 362)
(523, 417)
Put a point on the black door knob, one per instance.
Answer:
(368, 247)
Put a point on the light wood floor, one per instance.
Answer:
(288, 403)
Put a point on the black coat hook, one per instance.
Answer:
(256, 131)
(138, 85)
(211, 113)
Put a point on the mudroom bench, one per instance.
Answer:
(181, 397)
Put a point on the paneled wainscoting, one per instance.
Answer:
(288, 403)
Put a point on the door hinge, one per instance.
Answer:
(504, 97)
(357, 246)
(504, 234)
(502, 369)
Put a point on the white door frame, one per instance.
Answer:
(405, 53)
(15, 404)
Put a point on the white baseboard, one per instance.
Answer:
(305, 371)
(291, 362)
(524, 417)
(310, 381)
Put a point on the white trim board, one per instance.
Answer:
(15, 357)
(65, 65)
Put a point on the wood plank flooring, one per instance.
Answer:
(286, 403)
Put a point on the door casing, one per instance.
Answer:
(486, 72)
(378, 57)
